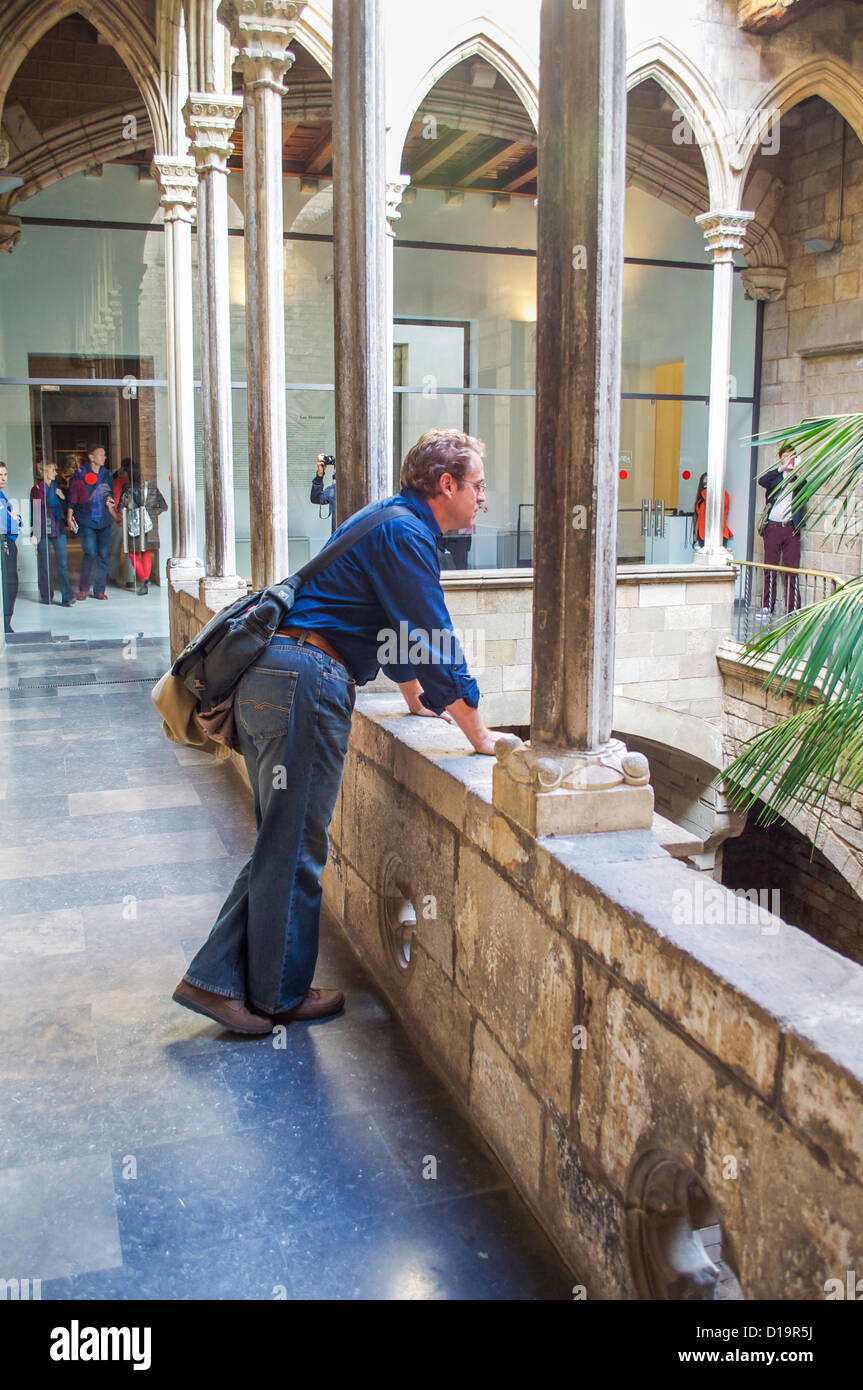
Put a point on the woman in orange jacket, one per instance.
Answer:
(701, 508)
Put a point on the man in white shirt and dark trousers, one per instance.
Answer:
(785, 521)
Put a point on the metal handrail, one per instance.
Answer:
(790, 569)
(750, 617)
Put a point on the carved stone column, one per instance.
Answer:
(573, 776)
(395, 192)
(360, 250)
(724, 233)
(261, 32)
(178, 181)
(210, 120)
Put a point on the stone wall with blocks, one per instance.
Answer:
(749, 709)
(670, 620)
(570, 995)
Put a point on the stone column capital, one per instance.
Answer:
(724, 232)
(765, 281)
(10, 231)
(260, 31)
(178, 180)
(395, 193)
(210, 119)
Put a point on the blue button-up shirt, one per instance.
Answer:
(10, 521)
(383, 598)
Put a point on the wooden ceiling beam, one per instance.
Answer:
(523, 173)
(322, 155)
(443, 151)
(489, 165)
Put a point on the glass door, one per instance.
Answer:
(661, 451)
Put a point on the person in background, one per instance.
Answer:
(700, 513)
(10, 525)
(785, 521)
(143, 503)
(120, 571)
(49, 511)
(91, 493)
(325, 496)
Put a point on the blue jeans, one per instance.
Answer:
(94, 562)
(293, 714)
(43, 567)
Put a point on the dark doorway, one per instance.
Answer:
(69, 440)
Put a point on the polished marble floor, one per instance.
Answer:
(145, 1153)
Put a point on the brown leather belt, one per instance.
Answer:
(314, 639)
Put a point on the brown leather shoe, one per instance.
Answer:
(318, 1003)
(231, 1013)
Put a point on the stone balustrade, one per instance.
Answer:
(603, 1036)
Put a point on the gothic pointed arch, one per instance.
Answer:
(498, 49)
(120, 22)
(697, 99)
(825, 76)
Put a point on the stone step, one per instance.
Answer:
(679, 843)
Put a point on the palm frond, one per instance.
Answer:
(818, 748)
(799, 761)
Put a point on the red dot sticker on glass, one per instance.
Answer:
(686, 475)
(624, 474)
(91, 478)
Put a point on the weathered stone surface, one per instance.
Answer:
(332, 884)
(662, 958)
(823, 1101)
(362, 923)
(387, 820)
(793, 1222)
(519, 974)
(587, 1219)
(430, 998)
(507, 1111)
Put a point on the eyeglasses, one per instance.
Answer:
(477, 487)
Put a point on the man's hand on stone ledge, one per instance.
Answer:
(471, 725)
(411, 691)
(467, 718)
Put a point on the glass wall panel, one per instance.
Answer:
(663, 457)
(667, 317)
(49, 431)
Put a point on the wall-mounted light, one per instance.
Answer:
(820, 244)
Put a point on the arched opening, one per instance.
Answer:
(83, 301)
(805, 182)
(668, 295)
(465, 295)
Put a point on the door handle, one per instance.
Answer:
(659, 518)
(646, 515)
